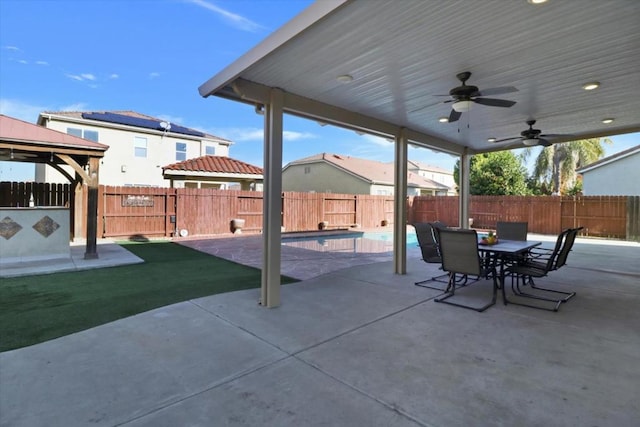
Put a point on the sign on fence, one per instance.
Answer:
(137, 201)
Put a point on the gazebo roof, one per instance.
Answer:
(23, 141)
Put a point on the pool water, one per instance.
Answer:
(365, 242)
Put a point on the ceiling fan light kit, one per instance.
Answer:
(530, 142)
(464, 96)
(462, 106)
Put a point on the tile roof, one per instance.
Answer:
(370, 170)
(215, 164)
(12, 129)
(78, 115)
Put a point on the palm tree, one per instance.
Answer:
(557, 164)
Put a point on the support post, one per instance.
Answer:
(400, 204)
(272, 200)
(91, 251)
(465, 166)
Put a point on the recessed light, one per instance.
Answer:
(591, 85)
(345, 78)
(491, 140)
(536, 1)
(443, 119)
(607, 121)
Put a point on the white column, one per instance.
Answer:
(272, 201)
(465, 165)
(400, 204)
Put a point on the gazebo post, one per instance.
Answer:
(91, 251)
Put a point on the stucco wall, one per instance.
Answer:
(120, 166)
(619, 178)
(34, 234)
(322, 178)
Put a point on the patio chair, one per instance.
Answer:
(539, 267)
(460, 258)
(427, 234)
(512, 230)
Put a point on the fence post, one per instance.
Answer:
(633, 218)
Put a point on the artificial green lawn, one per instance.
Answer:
(34, 309)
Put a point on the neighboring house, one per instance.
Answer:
(333, 173)
(139, 145)
(616, 175)
(434, 173)
(214, 172)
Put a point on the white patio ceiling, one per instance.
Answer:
(402, 53)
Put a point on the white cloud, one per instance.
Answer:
(21, 110)
(153, 75)
(22, 61)
(257, 134)
(14, 48)
(377, 140)
(42, 63)
(235, 20)
(75, 77)
(289, 135)
(88, 76)
(114, 76)
(79, 106)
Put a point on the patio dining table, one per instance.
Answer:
(500, 253)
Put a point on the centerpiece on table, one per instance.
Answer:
(489, 239)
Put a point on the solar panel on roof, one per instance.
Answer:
(122, 119)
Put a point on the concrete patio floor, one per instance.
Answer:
(354, 347)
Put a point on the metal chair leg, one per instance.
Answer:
(515, 287)
(451, 291)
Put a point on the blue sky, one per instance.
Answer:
(150, 56)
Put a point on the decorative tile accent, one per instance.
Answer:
(8, 228)
(46, 226)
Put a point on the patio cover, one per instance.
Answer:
(376, 66)
(25, 142)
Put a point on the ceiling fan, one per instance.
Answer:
(531, 136)
(464, 96)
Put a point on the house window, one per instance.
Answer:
(210, 150)
(307, 170)
(140, 146)
(181, 151)
(91, 135)
(75, 132)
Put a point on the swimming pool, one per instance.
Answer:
(352, 242)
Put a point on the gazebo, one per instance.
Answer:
(25, 142)
(396, 69)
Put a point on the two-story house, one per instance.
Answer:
(434, 173)
(334, 173)
(139, 145)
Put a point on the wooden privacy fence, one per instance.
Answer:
(128, 211)
(164, 212)
(21, 194)
(601, 216)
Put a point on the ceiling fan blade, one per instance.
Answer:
(496, 91)
(494, 102)
(507, 139)
(454, 116)
(544, 142)
(556, 135)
